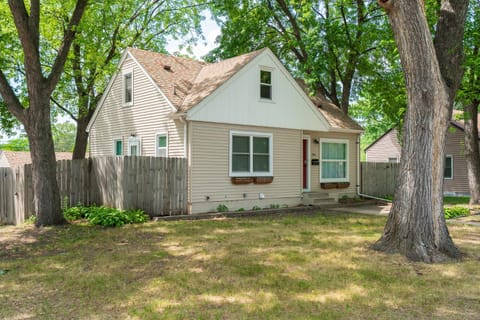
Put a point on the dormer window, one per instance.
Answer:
(128, 88)
(265, 84)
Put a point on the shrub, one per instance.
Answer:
(104, 216)
(256, 208)
(222, 208)
(274, 206)
(453, 212)
(76, 213)
(240, 209)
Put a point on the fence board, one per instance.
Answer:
(378, 178)
(155, 185)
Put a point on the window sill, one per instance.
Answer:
(127, 104)
(265, 100)
(248, 180)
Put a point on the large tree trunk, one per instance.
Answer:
(416, 224)
(472, 151)
(46, 194)
(81, 138)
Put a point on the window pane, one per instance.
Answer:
(260, 145)
(162, 142)
(134, 150)
(265, 77)
(448, 172)
(241, 144)
(261, 163)
(334, 151)
(334, 170)
(265, 91)
(128, 87)
(240, 163)
(118, 148)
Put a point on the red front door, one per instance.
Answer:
(305, 163)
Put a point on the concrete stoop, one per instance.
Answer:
(318, 199)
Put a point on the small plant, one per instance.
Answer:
(31, 219)
(255, 208)
(274, 206)
(76, 213)
(104, 216)
(240, 210)
(222, 208)
(454, 212)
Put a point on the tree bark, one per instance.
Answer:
(36, 118)
(416, 224)
(472, 151)
(81, 138)
(46, 194)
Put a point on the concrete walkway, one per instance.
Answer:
(384, 209)
(373, 209)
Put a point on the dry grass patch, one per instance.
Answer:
(292, 267)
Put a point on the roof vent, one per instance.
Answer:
(167, 67)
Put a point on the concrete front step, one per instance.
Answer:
(318, 199)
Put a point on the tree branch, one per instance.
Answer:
(28, 35)
(65, 47)
(11, 99)
(68, 112)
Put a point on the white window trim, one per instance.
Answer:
(114, 151)
(138, 142)
(158, 134)
(347, 162)
(124, 73)
(268, 69)
(306, 137)
(451, 157)
(251, 135)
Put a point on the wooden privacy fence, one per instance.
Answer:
(155, 185)
(378, 178)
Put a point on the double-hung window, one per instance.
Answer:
(128, 87)
(118, 147)
(250, 154)
(448, 171)
(334, 160)
(266, 84)
(162, 145)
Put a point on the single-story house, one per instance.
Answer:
(387, 148)
(251, 134)
(12, 159)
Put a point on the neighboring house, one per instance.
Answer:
(387, 149)
(12, 159)
(251, 135)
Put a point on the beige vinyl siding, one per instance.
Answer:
(386, 147)
(352, 164)
(209, 172)
(455, 146)
(149, 115)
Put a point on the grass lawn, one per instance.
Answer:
(315, 266)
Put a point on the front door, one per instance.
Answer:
(305, 164)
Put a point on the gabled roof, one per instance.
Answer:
(20, 158)
(186, 82)
(336, 118)
(459, 122)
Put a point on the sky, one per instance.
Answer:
(210, 31)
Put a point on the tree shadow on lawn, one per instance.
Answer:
(285, 267)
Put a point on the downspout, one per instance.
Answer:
(358, 177)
